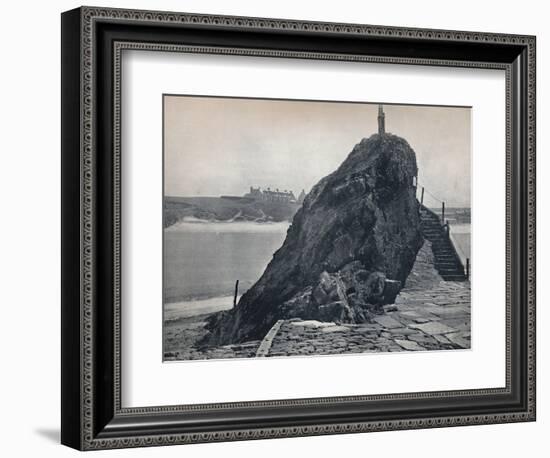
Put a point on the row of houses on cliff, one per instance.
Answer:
(269, 195)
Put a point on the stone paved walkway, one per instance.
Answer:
(434, 319)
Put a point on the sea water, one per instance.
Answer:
(203, 260)
(460, 236)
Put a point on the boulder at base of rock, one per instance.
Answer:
(348, 251)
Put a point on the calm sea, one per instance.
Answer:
(202, 261)
(460, 235)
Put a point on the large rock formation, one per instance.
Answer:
(348, 251)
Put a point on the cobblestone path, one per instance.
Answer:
(421, 319)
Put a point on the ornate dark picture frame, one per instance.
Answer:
(92, 42)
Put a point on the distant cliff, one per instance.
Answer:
(348, 251)
(226, 209)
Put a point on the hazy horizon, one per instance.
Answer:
(217, 146)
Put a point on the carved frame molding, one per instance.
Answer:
(90, 434)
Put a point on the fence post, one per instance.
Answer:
(422, 196)
(442, 212)
(236, 293)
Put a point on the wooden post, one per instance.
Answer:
(467, 268)
(448, 228)
(236, 293)
(422, 196)
(442, 212)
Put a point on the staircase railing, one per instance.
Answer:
(447, 227)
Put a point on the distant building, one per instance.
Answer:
(255, 193)
(302, 196)
(271, 196)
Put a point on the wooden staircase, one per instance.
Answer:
(447, 262)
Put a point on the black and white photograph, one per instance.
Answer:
(309, 228)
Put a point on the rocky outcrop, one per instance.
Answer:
(348, 251)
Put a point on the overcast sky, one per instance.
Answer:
(218, 146)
